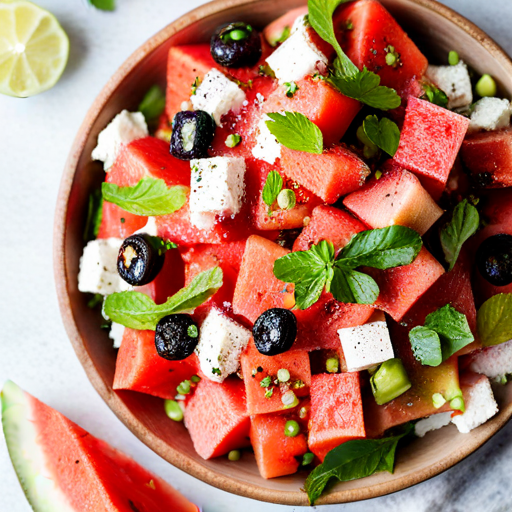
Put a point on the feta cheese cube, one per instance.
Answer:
(455, 82)
(493, 361)
(366, 345)
(434, 422)
(98, 268)
(267, 148)
(490, 114)
(217, 95)
(116, 334)
(480, 406)
(221, 343)
(297, 57)
(216, 188)
(123, 129)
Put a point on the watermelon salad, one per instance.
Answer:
(304, 246)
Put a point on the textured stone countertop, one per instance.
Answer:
(35, 136)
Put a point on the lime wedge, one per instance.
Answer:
(34, 49)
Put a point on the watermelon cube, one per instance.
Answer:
(336, 411)
(117, 223)
(375, 34)
(430, 141)
(396, 198)
(216, 417)
(276, 454)
(488, 157)
(140, 368)
(256, 367)
(334, 173)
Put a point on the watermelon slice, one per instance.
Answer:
(62, 467)
(430, 141)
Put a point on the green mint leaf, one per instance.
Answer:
(364, 87)
(308, 291)
(426, 346)
(463, 224)
(296, 131)
(353, 287)
(381, 248)
(150, 197)
(104, 5)
(153, 103)
(353, 460)
(94, 216)
(272, 187)
(452, 328)
(495, 320)
(384, 133)
(320, 17)
(434, 95)
(137, 311)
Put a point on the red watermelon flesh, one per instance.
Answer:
(320, 103)
(295, 361)
(274, 30)
(216, 417)
(117, 223)
(140, 368)
(368, 42)
(78, 471)
(497, 206)
(330, 175)
(336, 412)
(488, 156)
(430, 141)
(169, 280)
(276, 454)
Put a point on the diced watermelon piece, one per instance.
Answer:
(216, 417)
(328, 223)
(140, 368)
(373, 34)
(169, 280)
(63, 467)
(401, 287)
(330, 175)
(336, 412)
(430, 141)
(274, 30)
(320, 103)
(117, 223)
(396, 198)
(497, 206)
(488, 156)
(276, 454)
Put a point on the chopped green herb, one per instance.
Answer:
(192, 331)
(378, 175)
(266, 70)
(173, 410)
(195, 85)
(494, 320)
(153, 103)
(453, 58)
(298, 384)
(286, 199)
(291, 89)
(435, 95)
(233, 140)
(486, 86)
(385, 134)
(332, 365)
(271, 189)
(438, 400)
(216, 371)
(195, 379)
(123, 220)
(269, 392)
(265, 383)
(392, 57)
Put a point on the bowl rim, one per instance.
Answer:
(176, 458)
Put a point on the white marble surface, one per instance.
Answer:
(35, 135)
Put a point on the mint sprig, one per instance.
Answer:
(273, 185)
(494, 320)
(137, 311)
(153, 103)
(385, 134)
(149, 197)
(463, 225)
(313, 270)
(295, 131)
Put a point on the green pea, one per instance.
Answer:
(486, 86)
(173, 410)
(291, 428)
(234, 455)
(453, 58)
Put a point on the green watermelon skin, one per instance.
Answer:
(62, 468)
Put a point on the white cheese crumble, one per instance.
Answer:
(434, 422)
(266, 148)
(493, 361)
(480, 406)
(221, 343)
(455, 82)
(366, 345)
(297, 57)
(216, 188)
(116, 334)
(490, 114)
(123, 129)
(217, 95)
(98, 268)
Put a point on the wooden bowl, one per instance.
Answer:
(436, 29)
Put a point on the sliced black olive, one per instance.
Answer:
(275, 331)
(176, 337)
(192, 134)
(236, 45)
(140, 259)
(494, 259)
